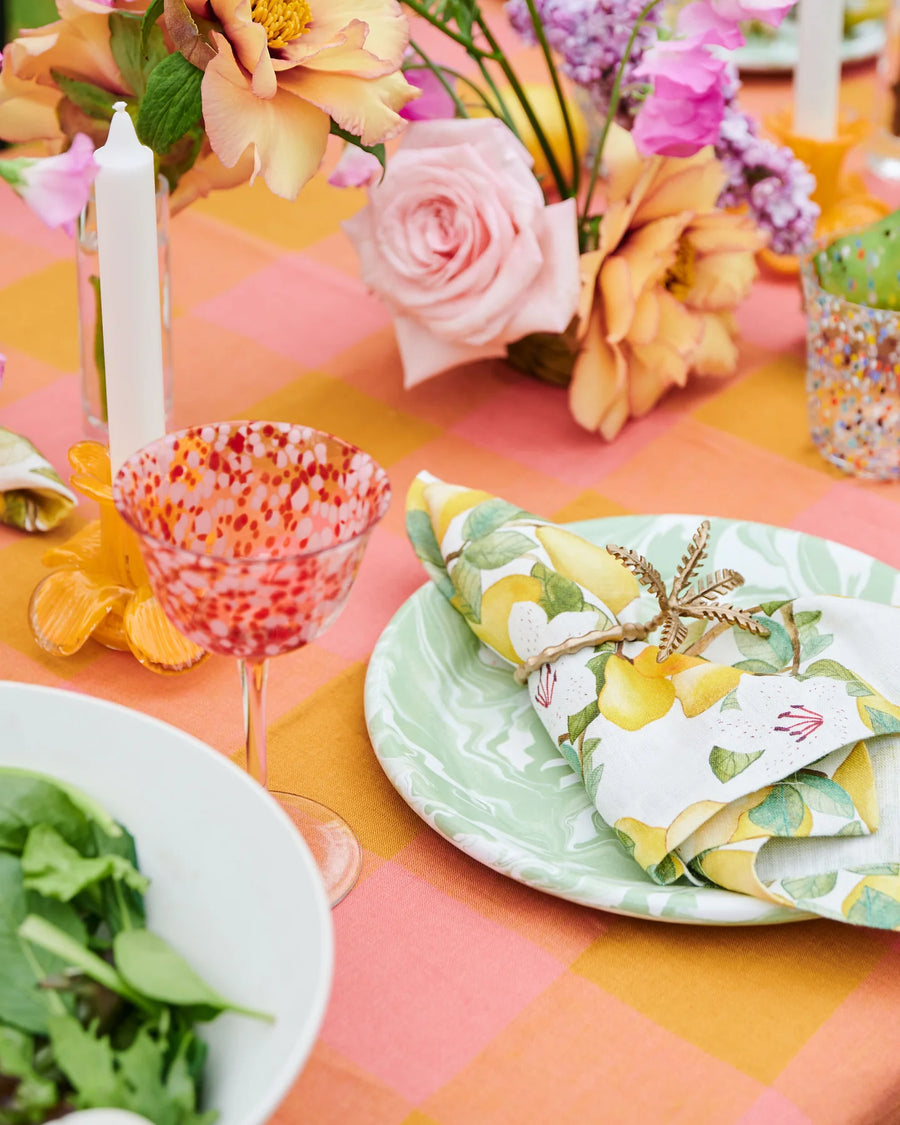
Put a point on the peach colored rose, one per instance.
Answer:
(659, 291)
(458, 242)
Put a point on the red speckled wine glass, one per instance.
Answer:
(252, 534)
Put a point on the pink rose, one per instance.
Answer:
(684, 111)
(458, 242)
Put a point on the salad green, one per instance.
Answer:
(95, 1009)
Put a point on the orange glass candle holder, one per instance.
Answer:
(99, 588)
(844, 200)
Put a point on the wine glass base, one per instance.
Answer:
(332, 841)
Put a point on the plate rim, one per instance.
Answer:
(757, 911)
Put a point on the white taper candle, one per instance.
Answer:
(817, 74)
(125, 190)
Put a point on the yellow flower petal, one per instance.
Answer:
(716, 354)
(721, 281)
(366, 107)
(286, 134)
(598, 395)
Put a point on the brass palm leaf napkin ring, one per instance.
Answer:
(776, 775)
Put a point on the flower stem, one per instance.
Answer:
(504, 113)
(439, 75)
(538, 24)
(471, 47)
(510, 75)
(613, 107)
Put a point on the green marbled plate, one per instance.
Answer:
(463, 747)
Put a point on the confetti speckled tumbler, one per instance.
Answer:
(852, 369)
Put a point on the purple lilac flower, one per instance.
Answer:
(591, 36)
(769, 180)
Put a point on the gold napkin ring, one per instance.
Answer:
(701, 602)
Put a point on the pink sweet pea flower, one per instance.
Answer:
(434, 102)
(458, 241)
(56, 188)
(355, 168)
(717, 22)
(770, 12)
(684, 111)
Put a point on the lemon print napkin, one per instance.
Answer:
(32, 495)
(775, 775)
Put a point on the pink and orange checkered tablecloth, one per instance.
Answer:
(460, 997)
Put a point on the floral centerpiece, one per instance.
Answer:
(221, 90)
(490, 235)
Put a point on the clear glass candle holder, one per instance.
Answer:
(852, 369)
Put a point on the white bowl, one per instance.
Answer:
(233, 886)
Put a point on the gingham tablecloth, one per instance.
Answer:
(461, 997)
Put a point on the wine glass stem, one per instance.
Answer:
(253, 688)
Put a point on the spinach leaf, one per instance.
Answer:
(39, 932)
(133, 1078)
(42, 788)
(55, 869)
(29, 800)
(35, 1091)
(152, 967)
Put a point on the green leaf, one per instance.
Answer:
(881, 722)
(560, 595)
(55, 869)
(490, 515)
(776, 649)
(92, 100)
(625, 840)
(731, 702)
(578, 724)
(41, 799)
(497, 549)
(351, 139)
(823, 795)
(86, 1061)
(27, 800)
(854, 828)
(810, 886)
(34, 1093)
(21, 1004)
(569, 752)
(421, 535)
(830, 669)
(811, 646)
(759, 667)
(136, 54)
(42, 933)
(807, 617)
(148, 23)
(150, 966)
(858, 688)
(875, 908)
(172, 105)
(877, 869)
(597, 665)
(727, 764)
(664, 872)
(467, 580)
(781, 813)
(769, 608)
